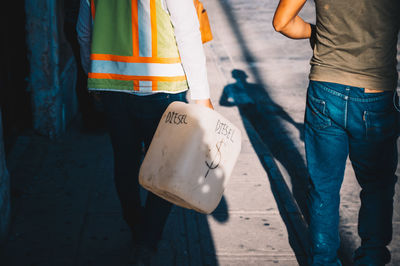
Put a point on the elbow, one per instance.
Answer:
(279, 22)
(278, 25)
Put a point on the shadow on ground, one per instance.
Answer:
(66, 211)
(261, 114)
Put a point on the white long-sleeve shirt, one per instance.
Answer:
(188, 38)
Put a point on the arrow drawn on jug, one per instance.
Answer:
(217, 159)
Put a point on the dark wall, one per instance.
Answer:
(14, 97)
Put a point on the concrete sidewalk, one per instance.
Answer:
(65, 208)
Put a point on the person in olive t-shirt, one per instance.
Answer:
(349, 112)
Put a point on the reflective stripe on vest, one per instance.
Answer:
(141, 55)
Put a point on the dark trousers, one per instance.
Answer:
(344, 121)
(132, 122)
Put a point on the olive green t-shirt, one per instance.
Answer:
(356, 43)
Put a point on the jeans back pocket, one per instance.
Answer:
(316, 114)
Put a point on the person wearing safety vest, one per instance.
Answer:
(141, 55)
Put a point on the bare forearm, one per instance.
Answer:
(205, 103)
(287, 21)
(297, 28)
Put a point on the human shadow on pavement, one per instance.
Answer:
(265, 115)
(267, 118)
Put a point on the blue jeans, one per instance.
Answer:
(132, 122)
(343, 121)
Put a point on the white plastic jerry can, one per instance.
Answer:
(191, 157)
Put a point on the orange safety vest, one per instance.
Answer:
(134, 48)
